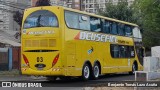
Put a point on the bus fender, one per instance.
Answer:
(87, 62)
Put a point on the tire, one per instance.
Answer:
(96, 71)
(134, 68)
(86, 72)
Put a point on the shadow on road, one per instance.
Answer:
(77, 82)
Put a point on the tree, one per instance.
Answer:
(149, 11)
(145, 13)
(18, 16)
(43, 3)
(120, 11)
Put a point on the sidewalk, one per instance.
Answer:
(14, 72)
(15, 75)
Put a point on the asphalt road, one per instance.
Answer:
(73, 84)
(76, 82)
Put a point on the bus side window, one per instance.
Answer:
(95, 24)
(114, 49)
(131, 51)
(123, 51)
(71, 19)
(84, 22)
(121, 29)
(105, 26)
(128, 31)
(114, 28)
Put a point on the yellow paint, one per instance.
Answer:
(72, 52)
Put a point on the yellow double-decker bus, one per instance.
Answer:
(62, 42)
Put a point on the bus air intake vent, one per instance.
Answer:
(40, 43)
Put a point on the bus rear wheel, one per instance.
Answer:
(86, 72)
(96, 71)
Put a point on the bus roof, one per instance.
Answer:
(86, 13)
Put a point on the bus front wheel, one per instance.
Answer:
(134, 68)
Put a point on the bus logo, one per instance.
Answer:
(96, 37)
(39, 32)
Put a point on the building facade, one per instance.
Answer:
(91, 6)
(8, 27)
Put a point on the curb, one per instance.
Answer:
(10, 73)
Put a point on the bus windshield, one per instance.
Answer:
(41, 18)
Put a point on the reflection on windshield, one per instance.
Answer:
(41, 18)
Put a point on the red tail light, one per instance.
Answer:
(25, 60)
(55, 60)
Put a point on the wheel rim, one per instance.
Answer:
(86, 72)
(96, 71)
(134, 68)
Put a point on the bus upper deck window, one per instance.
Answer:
(128, 30)
(71, 19)
(41, 18)
(105, 26)
(121, 29)
(84, 22)
(95, 24)
(114, 28)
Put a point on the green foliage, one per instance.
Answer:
(120, 11)
(145, 13)
(149, 11)
(17, 17)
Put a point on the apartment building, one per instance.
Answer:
(75, 4)
(91, 6)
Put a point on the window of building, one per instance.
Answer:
(95, 24)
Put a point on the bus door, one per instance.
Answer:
(125, 60)
(140, 53)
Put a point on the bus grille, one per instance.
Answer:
(40, 43)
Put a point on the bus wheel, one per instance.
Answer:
(86, 72)
(51, 78)
(96, 71)
(134, 68)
